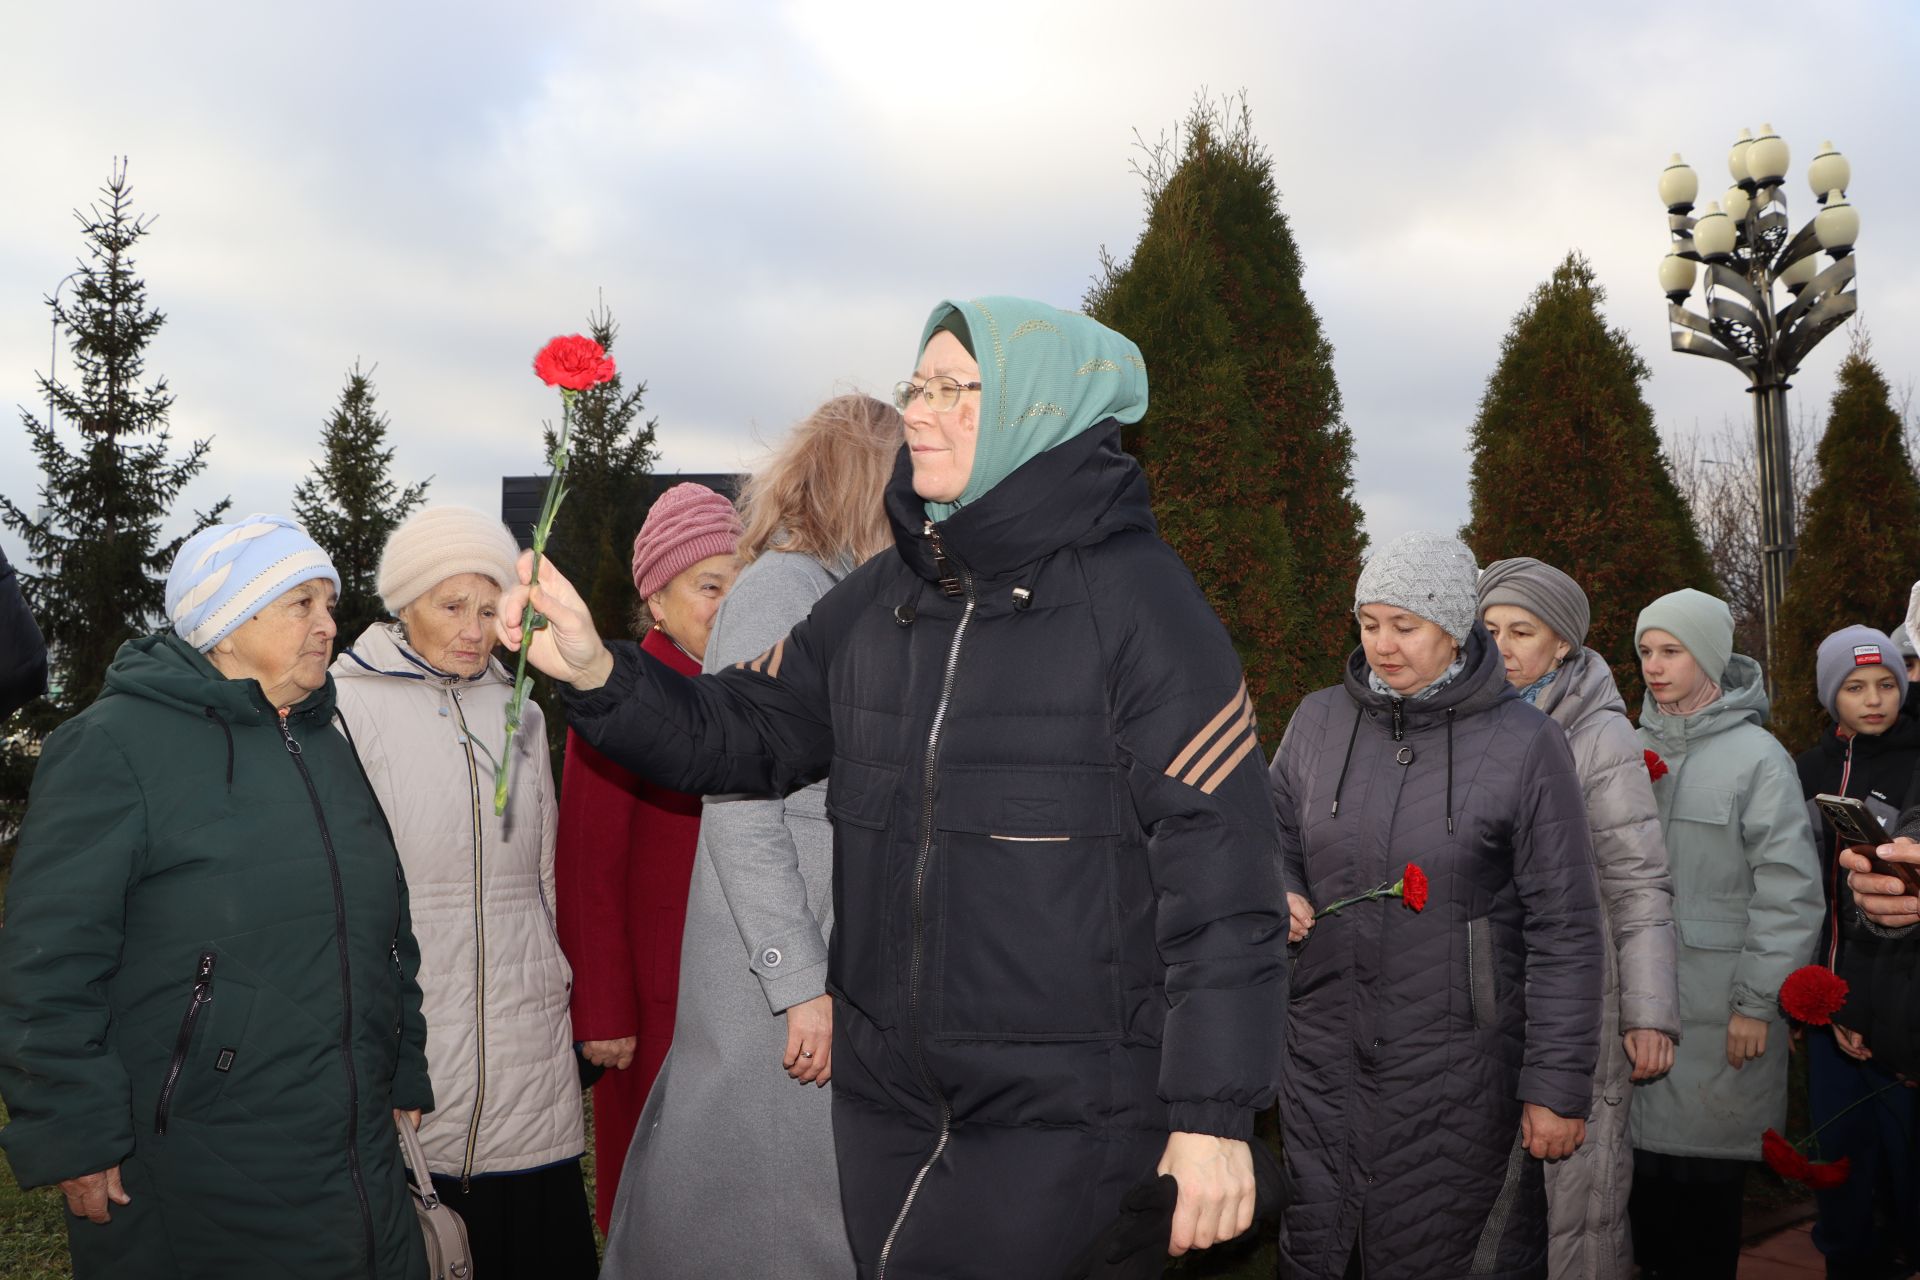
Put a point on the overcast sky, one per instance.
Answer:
(771, 197)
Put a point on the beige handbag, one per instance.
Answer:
(448, 1257)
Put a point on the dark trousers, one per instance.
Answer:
(1876, 1138)
(1686, 1216)
(526, 1224)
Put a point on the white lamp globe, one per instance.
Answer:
(1800, 274)
(1737, 203)
(1679, 184)
(1767, 158)
(1737, 157)
(1676, 276)
(1714, 234)
(1829, 172)
(1837, 225)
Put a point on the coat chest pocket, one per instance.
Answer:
(861, 801)
(1026, 917)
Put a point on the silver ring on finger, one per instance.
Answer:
(806, 1053)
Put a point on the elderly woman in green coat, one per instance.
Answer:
(1747, 903)
(208, 1013)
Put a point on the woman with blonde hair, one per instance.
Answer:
(725, 1137)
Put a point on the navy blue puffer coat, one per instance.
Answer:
(1059, 921)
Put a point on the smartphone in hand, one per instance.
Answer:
(1860, 831)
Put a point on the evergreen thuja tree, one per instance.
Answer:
(1250, 464)
(350, 504)
(109, 478)
(1567, 467)
(1859, 541)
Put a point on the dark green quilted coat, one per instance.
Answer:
(207, 977)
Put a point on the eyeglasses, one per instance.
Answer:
(940, 392)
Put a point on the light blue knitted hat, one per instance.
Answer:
(227, 573)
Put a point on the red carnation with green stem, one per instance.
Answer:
(573, 364)
(1411, 888)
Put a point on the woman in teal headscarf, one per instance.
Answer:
(1059, 950)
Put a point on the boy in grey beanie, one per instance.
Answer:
(1846, 651)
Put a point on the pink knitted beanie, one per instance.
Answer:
(685, 525)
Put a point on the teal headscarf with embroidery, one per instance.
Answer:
(1046, 375)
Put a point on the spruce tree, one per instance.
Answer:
(1250, 464)
(108, 480)
(1567, 467)
(1859, 541)
(350, 504)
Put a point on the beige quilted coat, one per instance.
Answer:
(499, 1046)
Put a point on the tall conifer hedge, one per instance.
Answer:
(1567, 467)
(1250, 463)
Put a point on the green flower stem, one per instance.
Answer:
(1800, 1144)
(531, 621)
(1395, 890)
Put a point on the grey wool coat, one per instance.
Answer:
(731, 1171)
(1414, 1037)
(1587, 1194)
(1747, 901)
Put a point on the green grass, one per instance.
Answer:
(33, 1230)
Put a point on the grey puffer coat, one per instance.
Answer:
(1415, 1036)
(1747, 901)
(1587, 1194)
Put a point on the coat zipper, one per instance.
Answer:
(479, 954)
(202, 995)
(346, 994)
(919, 906)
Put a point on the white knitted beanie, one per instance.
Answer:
(1429, 574)
(440, 543)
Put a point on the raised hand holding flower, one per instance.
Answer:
(574, 364)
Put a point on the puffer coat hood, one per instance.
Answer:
(495, 984)
(207, 978)
(1415, 1036)
(1747, 904)
(1059, 924)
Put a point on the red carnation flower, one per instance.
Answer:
(1813, 994)
(1825, 1177)
(1656, 767)
(1788, 1161)
(1413, 887)
(573, 362)
(1783, 1157)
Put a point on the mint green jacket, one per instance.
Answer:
(1747, 904)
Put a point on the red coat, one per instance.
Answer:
(624, 862)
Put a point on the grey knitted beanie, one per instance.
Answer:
(1848, 649)
(1701, 622)
(1903, 642)
(1429, 574)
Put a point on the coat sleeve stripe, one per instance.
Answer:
(1243, 724)
(1247, 744)
(1213, 726)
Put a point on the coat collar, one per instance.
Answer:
(1079, 491)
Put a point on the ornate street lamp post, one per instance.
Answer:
(1744, 243)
